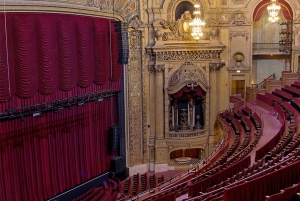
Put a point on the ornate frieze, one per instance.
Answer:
(239, 33)
(187, 55)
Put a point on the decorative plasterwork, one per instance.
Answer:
(187, 55)
(239, 33)
(135, 103)
(216, 66)
(159, 68)
(186, 75)
(238, 58)
(127, 10)
(135, 22)
(239, 19)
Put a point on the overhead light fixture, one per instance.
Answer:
(273, 11)
(197, 24)
(100, 98)
(37, 114)
(238, 71)
(81, 103)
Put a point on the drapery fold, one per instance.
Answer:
(66, 54)
(47, 54)
(101, 54)
(25, 55)
(84, 33)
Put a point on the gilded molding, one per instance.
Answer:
(135, 102)
(144, 115)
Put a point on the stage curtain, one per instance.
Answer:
(55, 152)
(51, 57)
(116, 70)
(269, 184)
(4, 85)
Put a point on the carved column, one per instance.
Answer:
(159, 100)
(191, 107)
(213, 109)
(152, 116)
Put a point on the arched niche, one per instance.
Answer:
(187, 91)
(175, 7)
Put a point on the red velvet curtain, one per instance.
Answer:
(197, 90)
(269, 184)
(50, 57)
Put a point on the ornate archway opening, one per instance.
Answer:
(187, 112)
(187, 94)
(184, 157)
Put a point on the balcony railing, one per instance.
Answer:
(266, 47)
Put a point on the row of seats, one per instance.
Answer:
(293, 145)
(291, 193)
(258, 169)
(210, 169)
(216, 167)
(107, 192)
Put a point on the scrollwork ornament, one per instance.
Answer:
(159, 68)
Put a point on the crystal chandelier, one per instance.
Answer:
(273, 10)
(197, 24)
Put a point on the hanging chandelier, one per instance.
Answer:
(197, 24)
(273, 10)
